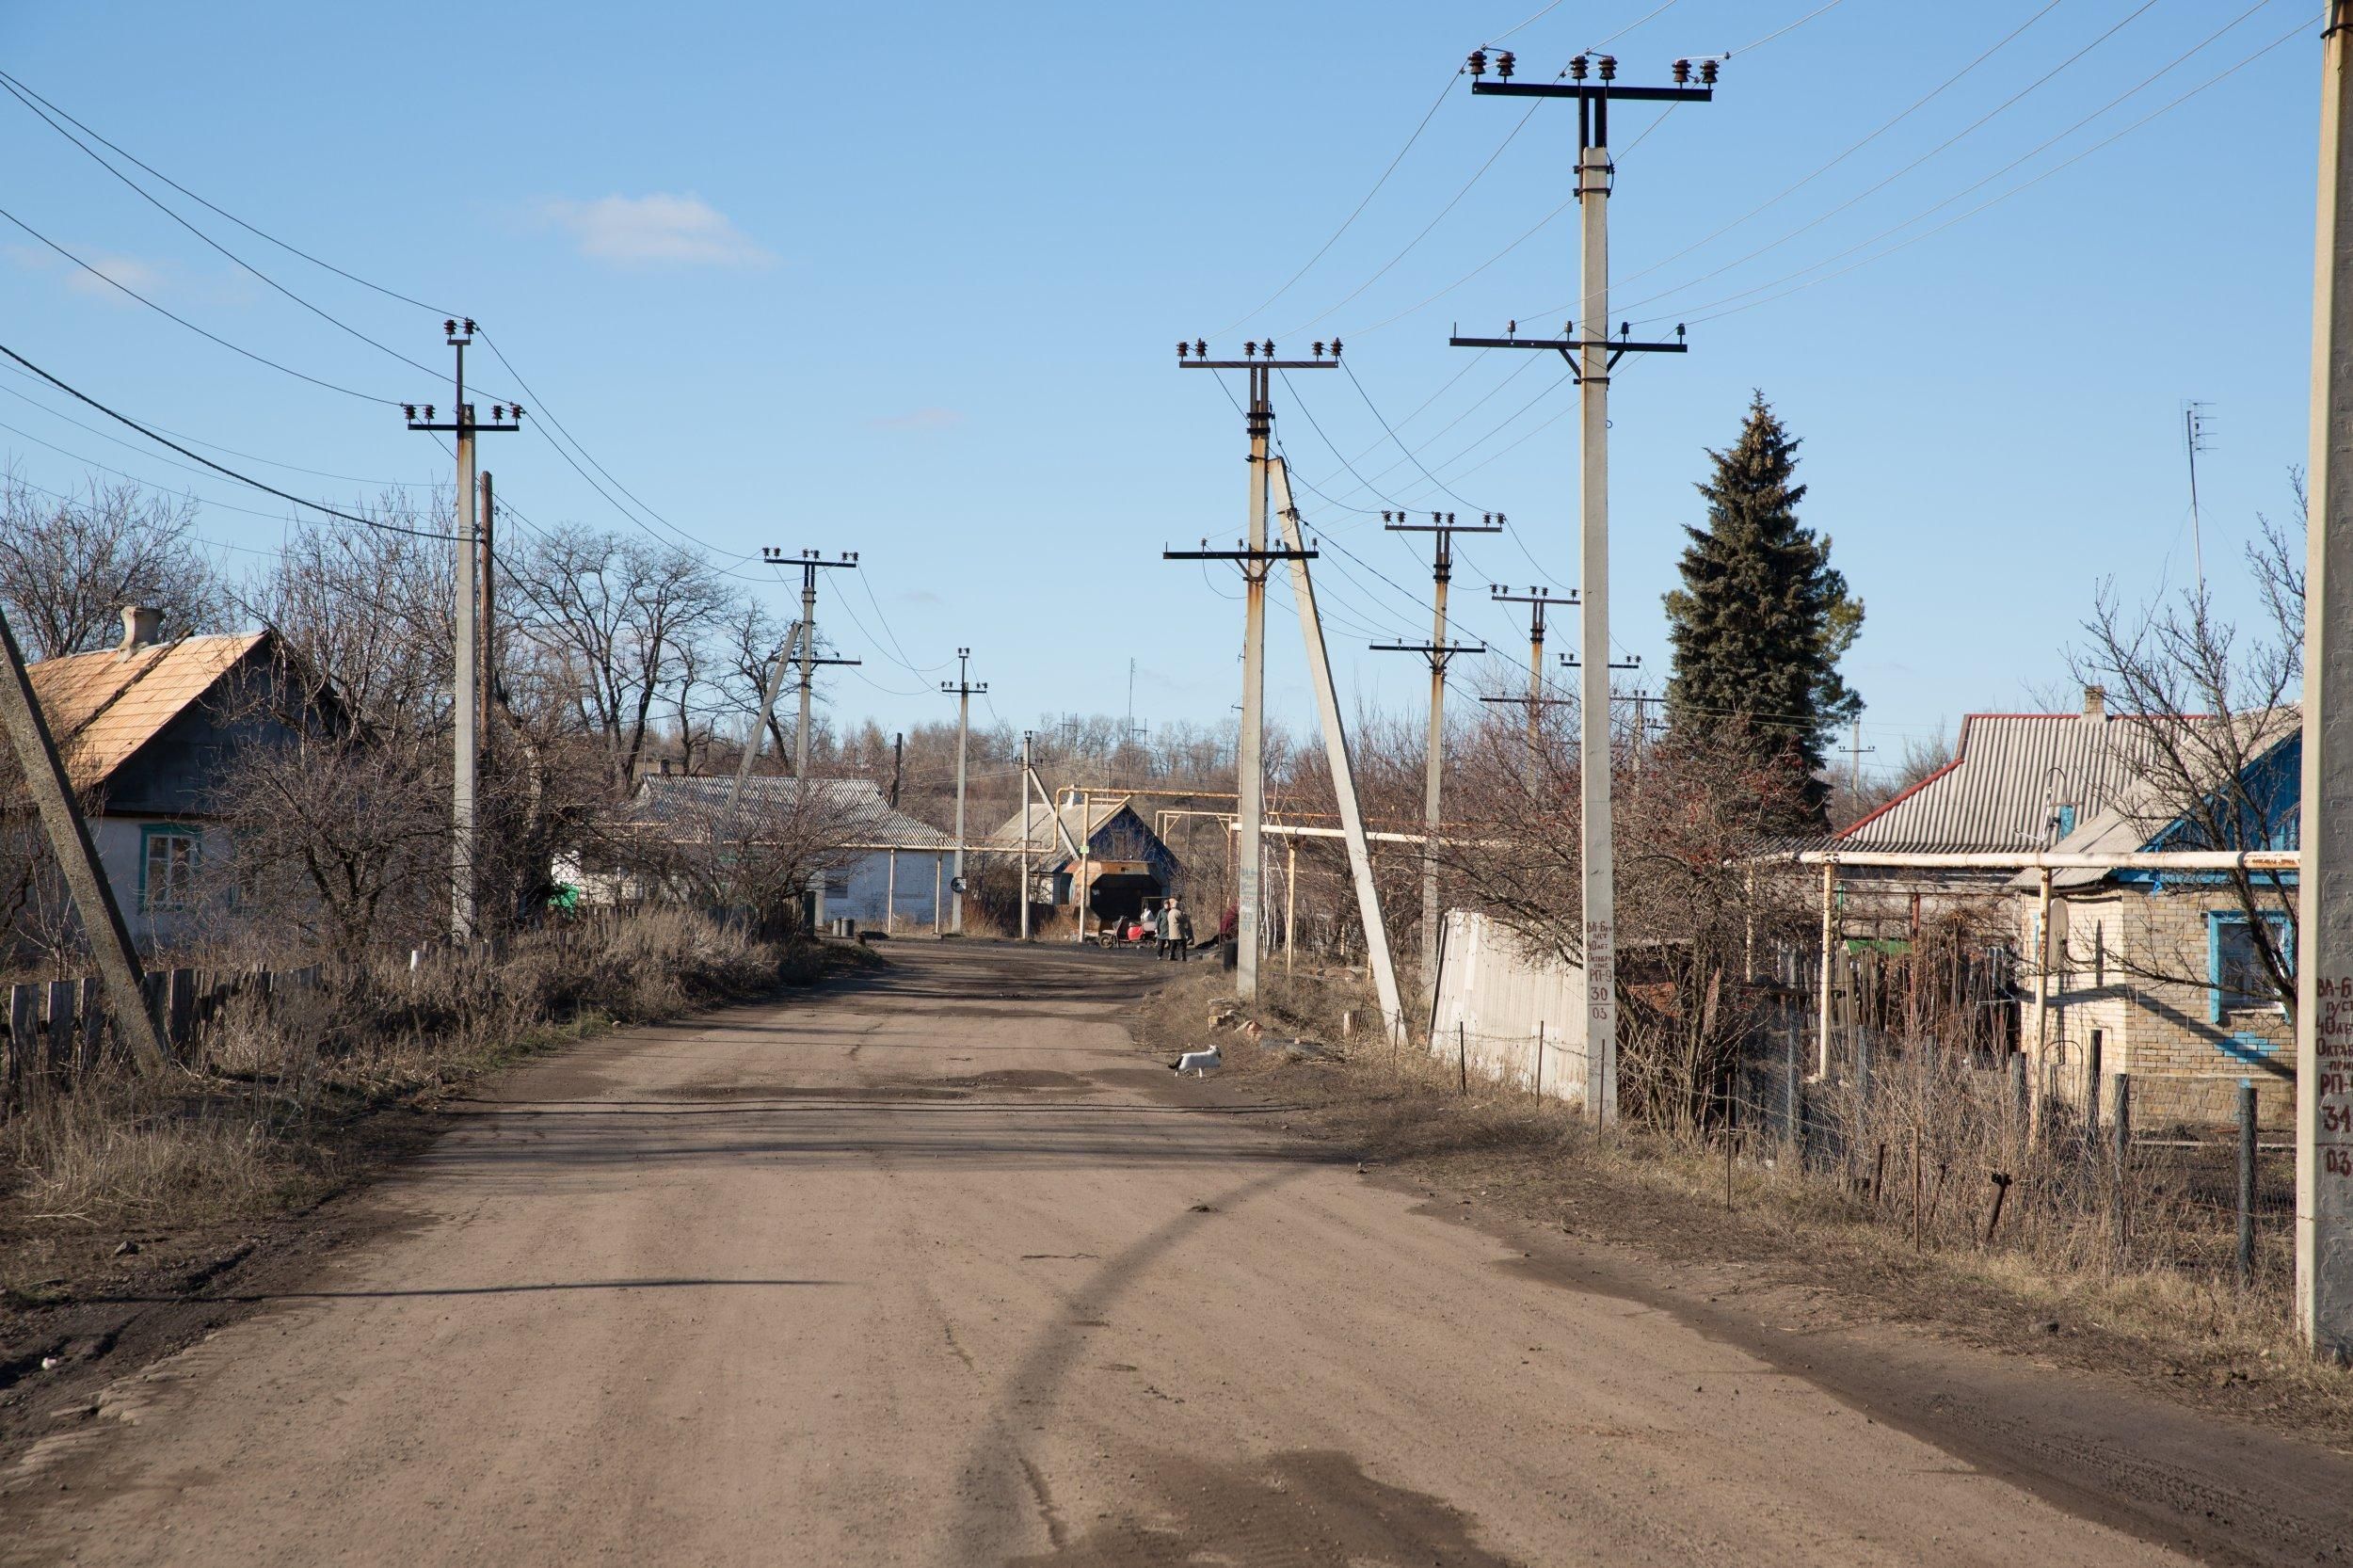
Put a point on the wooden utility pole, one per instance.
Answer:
(962, 690)
(77, 859)
(2324, 968)
(811, 563)
(1442, 528)
(1256, 560)
(1591, 356)
(466, 698)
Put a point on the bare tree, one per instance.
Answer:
(624, 619)
(68, 564)
(2212, 705)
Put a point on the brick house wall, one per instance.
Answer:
(2186, 1062)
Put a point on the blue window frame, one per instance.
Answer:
(2235, 981)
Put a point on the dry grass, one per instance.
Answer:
(277, 1117)
(2158, 1304)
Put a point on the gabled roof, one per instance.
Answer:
(865, 816)
(1076, 820)
(103, 707)
(2141, 816)
(2008, 772)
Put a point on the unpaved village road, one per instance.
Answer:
(937, 1268)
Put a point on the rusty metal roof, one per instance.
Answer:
(103, 707)
(2008, 773)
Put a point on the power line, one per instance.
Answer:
(2004, 196)
(117, 284)
(353, 277)
(1872, 190)
(242, 479)
(1358, 211)
(19, 94)
(1454, 202)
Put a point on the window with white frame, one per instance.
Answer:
(167, 865)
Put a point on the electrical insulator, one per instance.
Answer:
(1270, 348)
(1609, 68)
(410, 410)
(1250, 349)
(1318, 348)
(470, 326)
(1335, 348)
(1505, 64)
(1183, 348)
(1683, 72)
(449, 328)
(1479, 62)
(428, 414)
(1200, 348)
(1707, 73)
(1576, 69)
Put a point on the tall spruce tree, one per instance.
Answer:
(1762, 617)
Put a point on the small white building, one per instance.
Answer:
(895, 871)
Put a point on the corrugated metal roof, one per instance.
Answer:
(2008, 773)
(103, 707)
(866, 818)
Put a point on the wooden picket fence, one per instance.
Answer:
(56, 1033)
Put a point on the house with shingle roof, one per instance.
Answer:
(147, 729)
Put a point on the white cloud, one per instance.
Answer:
(920, 419)
(129, 271)
(660, 230)
(145, 277)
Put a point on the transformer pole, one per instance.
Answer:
(1591, 356)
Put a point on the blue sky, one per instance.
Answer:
(907, 281)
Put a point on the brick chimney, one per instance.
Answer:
(2095, 704)
(140, 624)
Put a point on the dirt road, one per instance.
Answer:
(939, 1269)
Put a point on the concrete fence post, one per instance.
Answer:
(2246, 1182)
(2120, 1137)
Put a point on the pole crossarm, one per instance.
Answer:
(1241, 555)
(1569, 661)
(1594, 92)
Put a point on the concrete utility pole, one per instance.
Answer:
(2324, 968)
(488, 682)
(811, 563)
(466, 700)
(963, 690)
(1591, 358)
(767, 708)
(77, 860)
(1441, 529)
(1255, 561)
(1025, 835)
(1856, 752)
(1336, 757)
(1537, 600)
